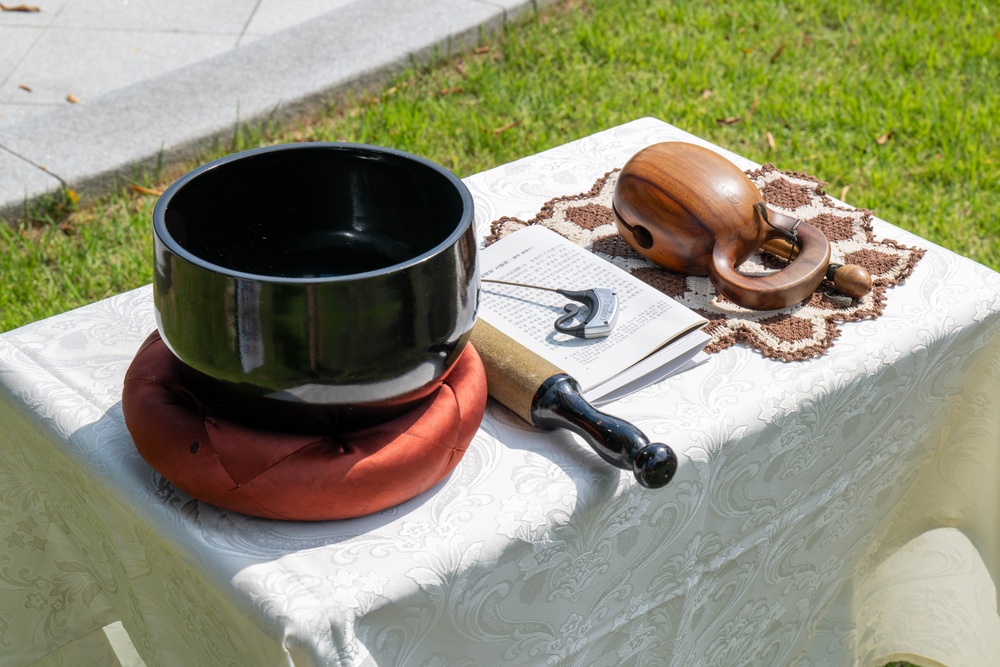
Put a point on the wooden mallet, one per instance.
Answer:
(848, 279)
(542, 394)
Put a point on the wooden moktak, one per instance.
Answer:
(690, 210)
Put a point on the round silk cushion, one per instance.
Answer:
(298, 476)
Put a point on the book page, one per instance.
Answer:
(537, 256)
(681, 354)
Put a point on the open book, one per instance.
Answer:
(653, 337)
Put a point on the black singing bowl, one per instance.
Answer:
(339, 278)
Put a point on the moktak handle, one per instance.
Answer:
(794, 283)
(559, 403)
(849, 279)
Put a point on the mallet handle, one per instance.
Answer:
(542, 394)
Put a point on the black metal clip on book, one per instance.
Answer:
(598, 320)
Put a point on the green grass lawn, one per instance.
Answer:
(892, 103)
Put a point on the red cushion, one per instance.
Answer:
(306, 477)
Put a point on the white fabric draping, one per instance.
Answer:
(836, 511)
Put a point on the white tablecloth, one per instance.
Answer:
(838, 511)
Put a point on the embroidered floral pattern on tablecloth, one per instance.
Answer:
(802, 331)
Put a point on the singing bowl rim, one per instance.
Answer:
(161, 231)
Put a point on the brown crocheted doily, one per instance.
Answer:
(798, 332)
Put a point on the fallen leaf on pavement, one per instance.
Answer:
(19, 8)
(24, 87)
(71, 98)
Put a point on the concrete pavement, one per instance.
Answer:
(89, 89)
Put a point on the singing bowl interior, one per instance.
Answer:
(313, 212)
(330, 274)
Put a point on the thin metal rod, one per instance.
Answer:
(505, 282)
